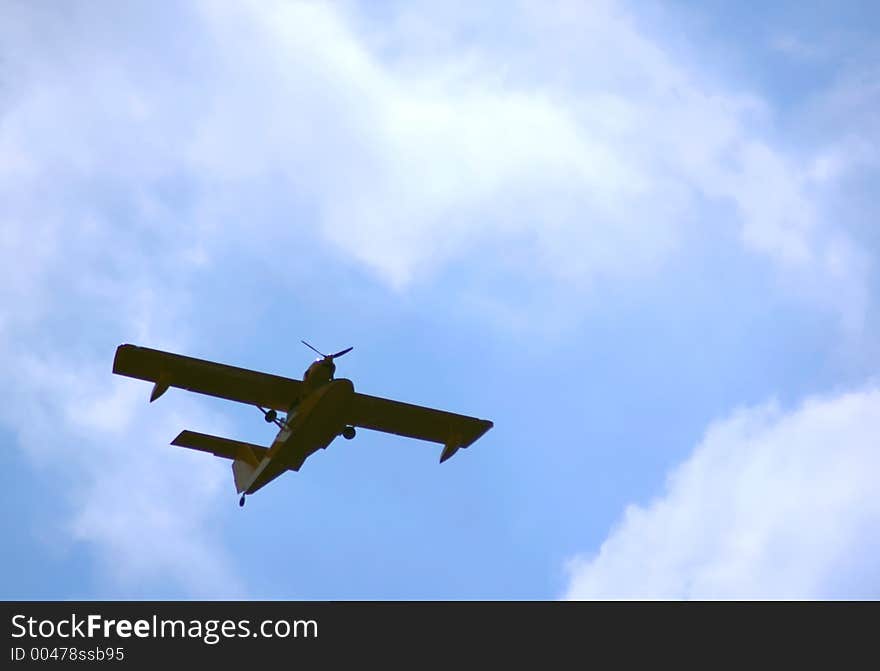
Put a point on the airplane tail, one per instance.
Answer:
(245, 456)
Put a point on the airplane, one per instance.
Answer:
(318, 409)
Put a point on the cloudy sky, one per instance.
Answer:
(640, 237)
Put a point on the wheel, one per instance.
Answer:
(241, 501)
(348, 432)
(271, 416)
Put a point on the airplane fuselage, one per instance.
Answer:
(317, 420)
(318, 374)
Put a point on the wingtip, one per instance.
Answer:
(122, 351)
(119, 351)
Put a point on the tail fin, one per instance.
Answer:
(243, 474)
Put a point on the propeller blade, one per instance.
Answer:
(345, 351)
(312, 348)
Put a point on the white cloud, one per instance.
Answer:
(769, 505)
(89, 258)
(408, 171)
(143, 508)
(574, 144)
(574, 138)
(581, 143)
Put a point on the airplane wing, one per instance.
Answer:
(415, 421)
(205, 377)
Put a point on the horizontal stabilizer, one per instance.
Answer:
(221, 447)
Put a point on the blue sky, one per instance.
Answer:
(639, 237)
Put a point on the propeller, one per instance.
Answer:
(328, 356)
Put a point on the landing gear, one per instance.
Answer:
(271, 416)
(241, 501)
(348, 432)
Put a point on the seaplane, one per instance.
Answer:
(317, 409)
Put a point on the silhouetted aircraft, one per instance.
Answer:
(318, 409)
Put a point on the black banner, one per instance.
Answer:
(244, 634)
